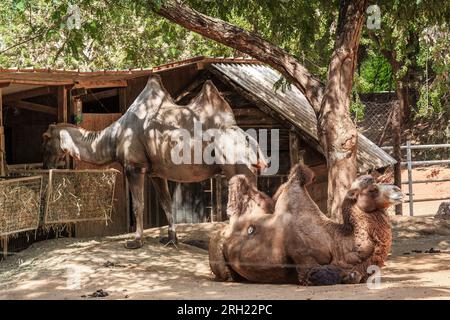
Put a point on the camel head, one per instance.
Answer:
(56, 144)
(370, 196)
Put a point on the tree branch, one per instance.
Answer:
(246, 42)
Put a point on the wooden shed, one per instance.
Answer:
(30, 100)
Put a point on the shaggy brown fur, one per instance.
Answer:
(295, 241)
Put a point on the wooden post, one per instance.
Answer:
(218, 208)
(5, 246)
(62, 114)
(410, 180)
(294, 148)
(397, 152)
(2, 139)
(123, 100)
(62, 104)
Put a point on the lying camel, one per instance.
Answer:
(288, 238)
(143, 140)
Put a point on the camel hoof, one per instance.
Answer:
(324, 276)
(133, 244)
(169, 242)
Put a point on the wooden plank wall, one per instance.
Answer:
(2, 138)
(120, 219)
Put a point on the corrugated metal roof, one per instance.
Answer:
(259, 80)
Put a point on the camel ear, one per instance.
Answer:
(362, 182)
(46, 136)
(352, 194)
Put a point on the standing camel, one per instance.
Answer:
(143, 141)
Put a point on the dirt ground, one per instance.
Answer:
(74, 268)
(427, 190)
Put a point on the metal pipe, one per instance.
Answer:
(410, 187)
(420, 146)
(429, 162)
(427, 181)
(429, 199)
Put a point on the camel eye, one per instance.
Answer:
(251, 230)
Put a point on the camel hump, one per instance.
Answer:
(155, 84)
(304, 174)
(154, 79)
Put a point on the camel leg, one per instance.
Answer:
(163, 194)
(136, 182)
(324, 275)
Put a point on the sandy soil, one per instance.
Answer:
(75, 268)
(427, 190)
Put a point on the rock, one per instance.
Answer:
(443, 211)
(109, 264)
(99, 294)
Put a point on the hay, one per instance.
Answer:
(79, 195)
(20, 203)
(70, 196)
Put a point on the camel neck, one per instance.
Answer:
(356, 220)
(351, 216)
(96, 147)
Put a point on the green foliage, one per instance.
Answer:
(401, 40)
(282, 84)
(357, 108)
(127, 34)
(113, 35)
(435, 54)
(375, 74)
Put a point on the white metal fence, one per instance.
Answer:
(409, 163)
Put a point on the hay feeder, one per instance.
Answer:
(79, 195)
(71, 196)
(20, 202)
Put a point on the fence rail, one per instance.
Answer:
(409, 163)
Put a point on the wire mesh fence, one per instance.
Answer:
(376, 121)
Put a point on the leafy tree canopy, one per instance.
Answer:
(127, 34)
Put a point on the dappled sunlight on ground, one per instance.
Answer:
(75, 268)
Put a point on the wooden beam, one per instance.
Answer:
(4, 84)
(34, 107)
(27, 94)
(62, 104)
(101, 84)
(94, 96)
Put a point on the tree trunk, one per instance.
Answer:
(397, 121)
(336, 131)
